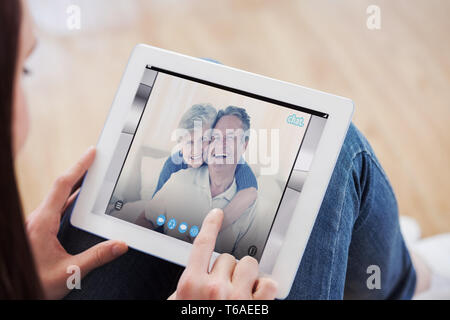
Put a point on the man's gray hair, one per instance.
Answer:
(205, 113)
(239, 113)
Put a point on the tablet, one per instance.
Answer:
(185, 135)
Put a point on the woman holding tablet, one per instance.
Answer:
(357, 226)
(37, 267)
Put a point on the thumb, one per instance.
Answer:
(99, 255)
(173, 296)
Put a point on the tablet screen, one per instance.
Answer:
(189, 146)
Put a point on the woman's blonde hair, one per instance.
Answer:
(205, 113)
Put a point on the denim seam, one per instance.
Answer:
(349, 170)
(338, 228)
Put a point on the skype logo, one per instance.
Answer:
(296, 121)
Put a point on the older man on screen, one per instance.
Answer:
(190, 194)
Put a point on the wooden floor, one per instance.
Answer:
(398, 76)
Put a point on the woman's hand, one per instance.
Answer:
(42, 228)
(228, 278)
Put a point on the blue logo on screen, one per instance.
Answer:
(183, 227)
(194, 231)
(160, 220)
(295, 121)
(172, 224)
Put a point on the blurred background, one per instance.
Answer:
(397, 75)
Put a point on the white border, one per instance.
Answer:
(339, 109)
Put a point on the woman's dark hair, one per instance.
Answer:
(18, 276)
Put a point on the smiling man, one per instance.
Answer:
(190, 194)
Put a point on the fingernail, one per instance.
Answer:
(217, 211)
(119, 249)
(88, 150)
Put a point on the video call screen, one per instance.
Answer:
(198, 146)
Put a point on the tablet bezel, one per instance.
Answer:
(339, 112)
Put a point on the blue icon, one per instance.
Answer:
(182, 227)
(172, 223)
(194, 231)
(160, 220)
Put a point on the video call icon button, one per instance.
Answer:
(183, 227)
(172, 223)
(161, 220)
(194, 231)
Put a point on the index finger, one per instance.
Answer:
(64, 185)
(205, 242)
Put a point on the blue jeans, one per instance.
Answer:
(357, 227)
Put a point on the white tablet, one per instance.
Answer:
(185, 135)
